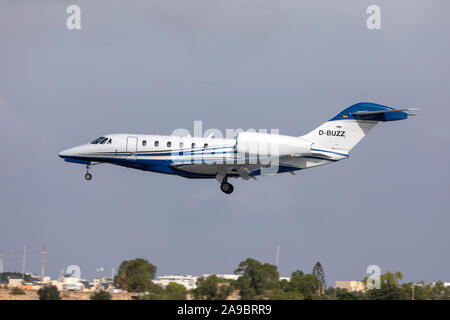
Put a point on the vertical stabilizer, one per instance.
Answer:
(350, 126)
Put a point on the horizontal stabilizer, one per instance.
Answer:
(381, 111)
(381, 115)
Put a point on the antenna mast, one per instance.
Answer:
(24, 259)
(43, 252)
(278, 256)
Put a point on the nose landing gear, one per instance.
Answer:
(226, 187)
(87, 176)
(222, 178)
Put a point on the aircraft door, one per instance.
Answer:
(131, 147)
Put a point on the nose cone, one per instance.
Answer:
(63, 154)
(67, 153)
(76, 155)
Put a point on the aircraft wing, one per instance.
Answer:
(206, 169)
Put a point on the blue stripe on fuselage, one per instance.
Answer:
(164, 166)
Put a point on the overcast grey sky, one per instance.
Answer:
(154, 66)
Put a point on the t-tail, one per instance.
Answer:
(345, 130)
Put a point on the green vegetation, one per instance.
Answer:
(261, 281)
(212, 288)
(173, 291)
(389, 287)
(257, 280)
(101, 295)
(49, 293)
(136, 275)
(5, 275)
(157, 293)
(279, 294)
(305, 284)
(176, 291)
(319, 274)
(342, 294)
(17, 291)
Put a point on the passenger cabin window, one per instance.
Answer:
(193, 145)
(181, 144)
(156, 143)
(169, 144)
(144, 143)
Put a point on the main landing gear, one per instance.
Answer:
(87, 176)
(226, 187)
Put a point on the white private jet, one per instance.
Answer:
(247, 155)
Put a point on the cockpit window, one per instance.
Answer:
(109, 141)
(101, 140)
(98, 140)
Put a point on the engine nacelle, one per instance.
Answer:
(264, 144)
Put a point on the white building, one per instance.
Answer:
(15, 282)
(446, 284)
(224, 276)
(190, 282)
(351, 286)
(103, 283)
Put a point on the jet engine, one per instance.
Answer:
(264, 144)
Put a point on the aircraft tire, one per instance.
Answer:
(226, 187)
(88, 176)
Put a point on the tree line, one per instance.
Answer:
(261, 281)
(257, 281)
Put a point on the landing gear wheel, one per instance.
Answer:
(226, 187)
(88, 176)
